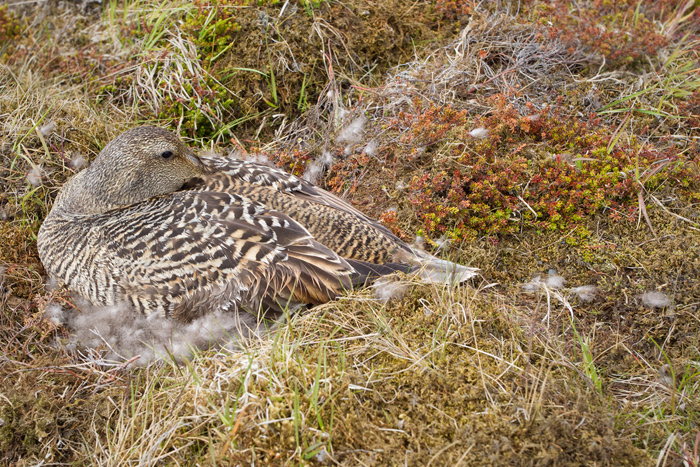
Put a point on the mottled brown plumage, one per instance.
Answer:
(330, 220)
(152, 225)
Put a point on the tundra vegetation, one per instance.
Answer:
(552, 144)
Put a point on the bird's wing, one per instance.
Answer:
(184, 254)
(229, 172)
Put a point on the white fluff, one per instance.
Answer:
(656, 299)
(534, 285)
(387, 288)
(586, 293)
(353, 132)
(479, 133)
(51, 284)
(55, 314)
(315, 169)
(371, 148)
(125, 334)
(259, 158)
(235, 153)
(34, 176)
(210, 152)
(322, 456)
(78, 162)
(554, 281)
(47, 129)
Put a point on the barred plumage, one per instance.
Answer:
(151, 225)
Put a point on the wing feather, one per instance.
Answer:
(331, 220)
(237, 173)
(190, 252)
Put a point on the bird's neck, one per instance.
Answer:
(87, 193)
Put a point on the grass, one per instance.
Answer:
(587, 169)
(288, 398)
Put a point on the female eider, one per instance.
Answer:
(152, 225)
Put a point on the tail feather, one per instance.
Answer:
(366, 273)
(441, 271)
(436, 270)
(427, 267)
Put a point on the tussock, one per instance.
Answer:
(405, 345)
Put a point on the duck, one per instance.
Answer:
(153, 226)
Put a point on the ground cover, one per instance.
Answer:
(554, 145)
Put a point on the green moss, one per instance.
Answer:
(9, 25)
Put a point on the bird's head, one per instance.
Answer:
(137, 165)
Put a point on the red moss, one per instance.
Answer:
(548, 171)
(619, 31)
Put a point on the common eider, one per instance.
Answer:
(151, 225)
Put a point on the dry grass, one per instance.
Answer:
(305, 393)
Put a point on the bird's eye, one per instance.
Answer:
(167, 155)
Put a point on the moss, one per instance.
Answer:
(441, 408)
(9, 29)
(563, 170)
(46, 415)
(623, 32)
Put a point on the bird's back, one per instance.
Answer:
(332, 221)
